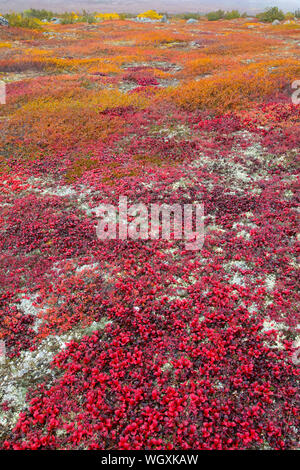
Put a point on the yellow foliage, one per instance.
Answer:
(5, 44)
(151, 14)
(230, 91)
(107, 68)
(287, 26)
(37, 52)
(204, 65)
(84, 100)
(107, 16)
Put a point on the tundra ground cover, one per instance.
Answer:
(143, 344)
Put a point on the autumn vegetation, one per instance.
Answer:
(141, 344)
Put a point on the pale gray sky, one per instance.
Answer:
(141, 5)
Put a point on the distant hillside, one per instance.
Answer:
(172, 6)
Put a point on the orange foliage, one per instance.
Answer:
(205, 65)
(82, 71)
(230, 91)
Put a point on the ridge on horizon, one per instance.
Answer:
(135, 6)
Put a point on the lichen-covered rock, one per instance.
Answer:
(3, 21)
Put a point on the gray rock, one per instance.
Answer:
(145, 20)
(192, 21)
(164, 19)
(3, 21)
(56, 20)
(275, 22)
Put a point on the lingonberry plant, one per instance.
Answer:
(143, 344)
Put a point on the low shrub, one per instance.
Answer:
(271, 15)
(232, 91)
(151, 14)
(21, 21)
(215, 15)
(232, 15)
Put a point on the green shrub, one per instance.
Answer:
(67, 18)
(91, 19)
(271, 14)
(215, 15)
(86, 17)
(289, 16)
(21, 21)
(39, 14)
(187, 16)
(232, 15)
